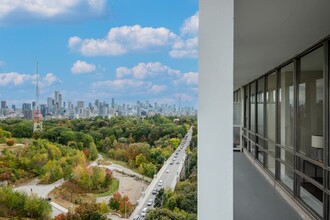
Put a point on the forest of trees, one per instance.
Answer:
(19, 205)
(65, 148)
(143, 144)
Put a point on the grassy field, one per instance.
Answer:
(113, 188)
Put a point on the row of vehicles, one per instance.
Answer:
(161, 182)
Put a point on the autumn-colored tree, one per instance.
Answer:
(125, 205)
(114, 202)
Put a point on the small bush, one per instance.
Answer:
(10, 142)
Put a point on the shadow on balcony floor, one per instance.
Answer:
(254, 197)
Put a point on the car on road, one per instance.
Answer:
(155, 191)
(167, 171)
(160, 183)
(172, 162)
(178, 162)
(144, 212)
(150, 202)
(136, 217)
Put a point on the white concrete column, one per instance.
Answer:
(215, 111)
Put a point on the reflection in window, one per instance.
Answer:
(260, 101)
(271, 111)
(286, 108)
(246, 107)
(286, 175)
(253, 107)
(311, 195)
(310, 105)
(271, 164)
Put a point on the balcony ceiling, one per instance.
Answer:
(268, 32)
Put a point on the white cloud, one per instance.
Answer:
(187, 45)
(21, 78)
(82, 67)
(14, 78)
(74, 42)
(190, 78)
(97, 5)
(190, 25)
(48, 80)
(143, 70)
(185, 48)
(24, 10)
(155, 89)
(121, 40)
(118, 84)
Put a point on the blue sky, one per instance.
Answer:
(99, 49)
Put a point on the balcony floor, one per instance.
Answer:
(254, 196)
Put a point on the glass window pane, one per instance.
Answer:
(286, 175)
(286, 156)
(246, 107)
(237, 113)
(237, 141)
(253, 148)
(286, 108)
(271, 107)
(260, 101)
(270, 164)
(310, 105)
(311, 195)
(260, 155)
(271, 147)
(252, 107)
(311, 170)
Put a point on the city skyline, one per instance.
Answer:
(57, 107)
(115, 49)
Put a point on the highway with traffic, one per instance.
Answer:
(167, 177)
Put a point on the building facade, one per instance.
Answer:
(286, 126)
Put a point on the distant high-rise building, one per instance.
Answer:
(60, 102)
(70, 106)
(49, 102)
(80, 104)
(57, 93)
(26, 106)
(27, 110)
(34, 105)
(13, 107)
(43, 110)
(3, 104)
(112, 103)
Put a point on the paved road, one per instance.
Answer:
(42, 191)
(168, 174)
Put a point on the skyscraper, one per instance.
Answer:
(3, 104)
(112, 103)
(80, 104)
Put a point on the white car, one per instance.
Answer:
(136, 217)
(144, 212)
(150, 202)
(160, 183)
(167, 171)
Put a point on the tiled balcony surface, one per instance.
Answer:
(254, 197)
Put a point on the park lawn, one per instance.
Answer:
(113, 188)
